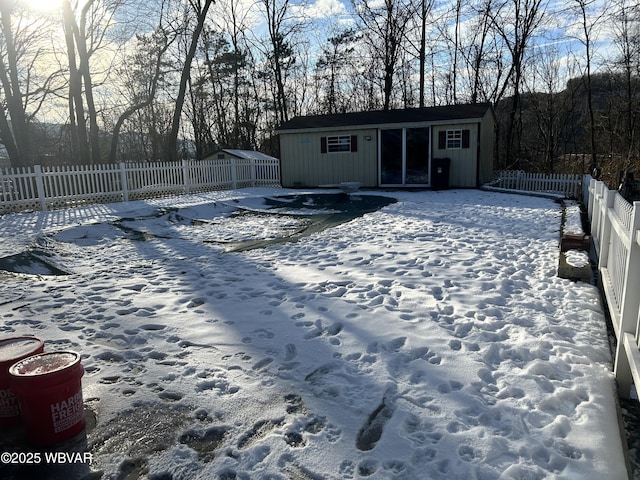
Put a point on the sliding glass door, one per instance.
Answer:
(404, 156)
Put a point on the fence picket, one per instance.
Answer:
(558, 184)
(24, 189)
(615, 230)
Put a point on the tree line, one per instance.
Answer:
(101, 81)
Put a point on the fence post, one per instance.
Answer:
(37, 170)
(519, 180)
(185, 175)
(604, 228)
(234, 173)
(253, 172)
(123, 181)
(629, 306)
(591, 195)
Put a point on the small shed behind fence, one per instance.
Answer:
(230, 153)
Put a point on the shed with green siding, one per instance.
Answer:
(389, 148)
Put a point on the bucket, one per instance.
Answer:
(49, 390)
(13, 350)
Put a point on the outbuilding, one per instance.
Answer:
(238, 154)
(445, 146)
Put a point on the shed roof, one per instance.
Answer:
(244, 154)
(379, 117)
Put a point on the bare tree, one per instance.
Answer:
(85, 27)
(516, 21)
(200, 9)
(423, 15)
(546, 109)
(79, 139)
(587, 24)
(385, 28)
(482, 55)
(220, 64)
(417, 38)
(233, 20)
(625, 21)
(455, 49)
(280, 54)
(20, 47)
(148, 62)
(216, 94)
(334, 59)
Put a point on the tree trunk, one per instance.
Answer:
(18, 134)
(80, 145)
(85, 74)
(172, 145)
(422, 56)
(113, 156)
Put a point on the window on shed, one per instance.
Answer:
(339, 144)
(453, 139)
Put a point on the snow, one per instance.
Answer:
(577, 258)
(572, 225)
(573, 221)
(430, 339)
(17, 347)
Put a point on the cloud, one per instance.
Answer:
(322, 9)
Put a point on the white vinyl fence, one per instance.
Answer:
(44, 188)
(568, 185)
(615, 234)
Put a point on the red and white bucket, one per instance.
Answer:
(13, 350)
(49, 390)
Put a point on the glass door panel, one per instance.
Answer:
(391, 157)
(417, 156)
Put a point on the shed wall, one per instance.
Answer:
(304, 165)
(463, 160)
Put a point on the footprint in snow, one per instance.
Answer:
(373, 427)
(331, 331)
(259, 431)
(262, 363)
(294, 404)
(290, 352)
(292, 469)
(368, 467)
(347, 469)
(205, 443)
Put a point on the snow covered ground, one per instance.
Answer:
(430, 339)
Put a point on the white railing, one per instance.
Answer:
(568, 185)
(43, 188)
(615, 233)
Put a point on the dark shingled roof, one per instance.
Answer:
(378, 117)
